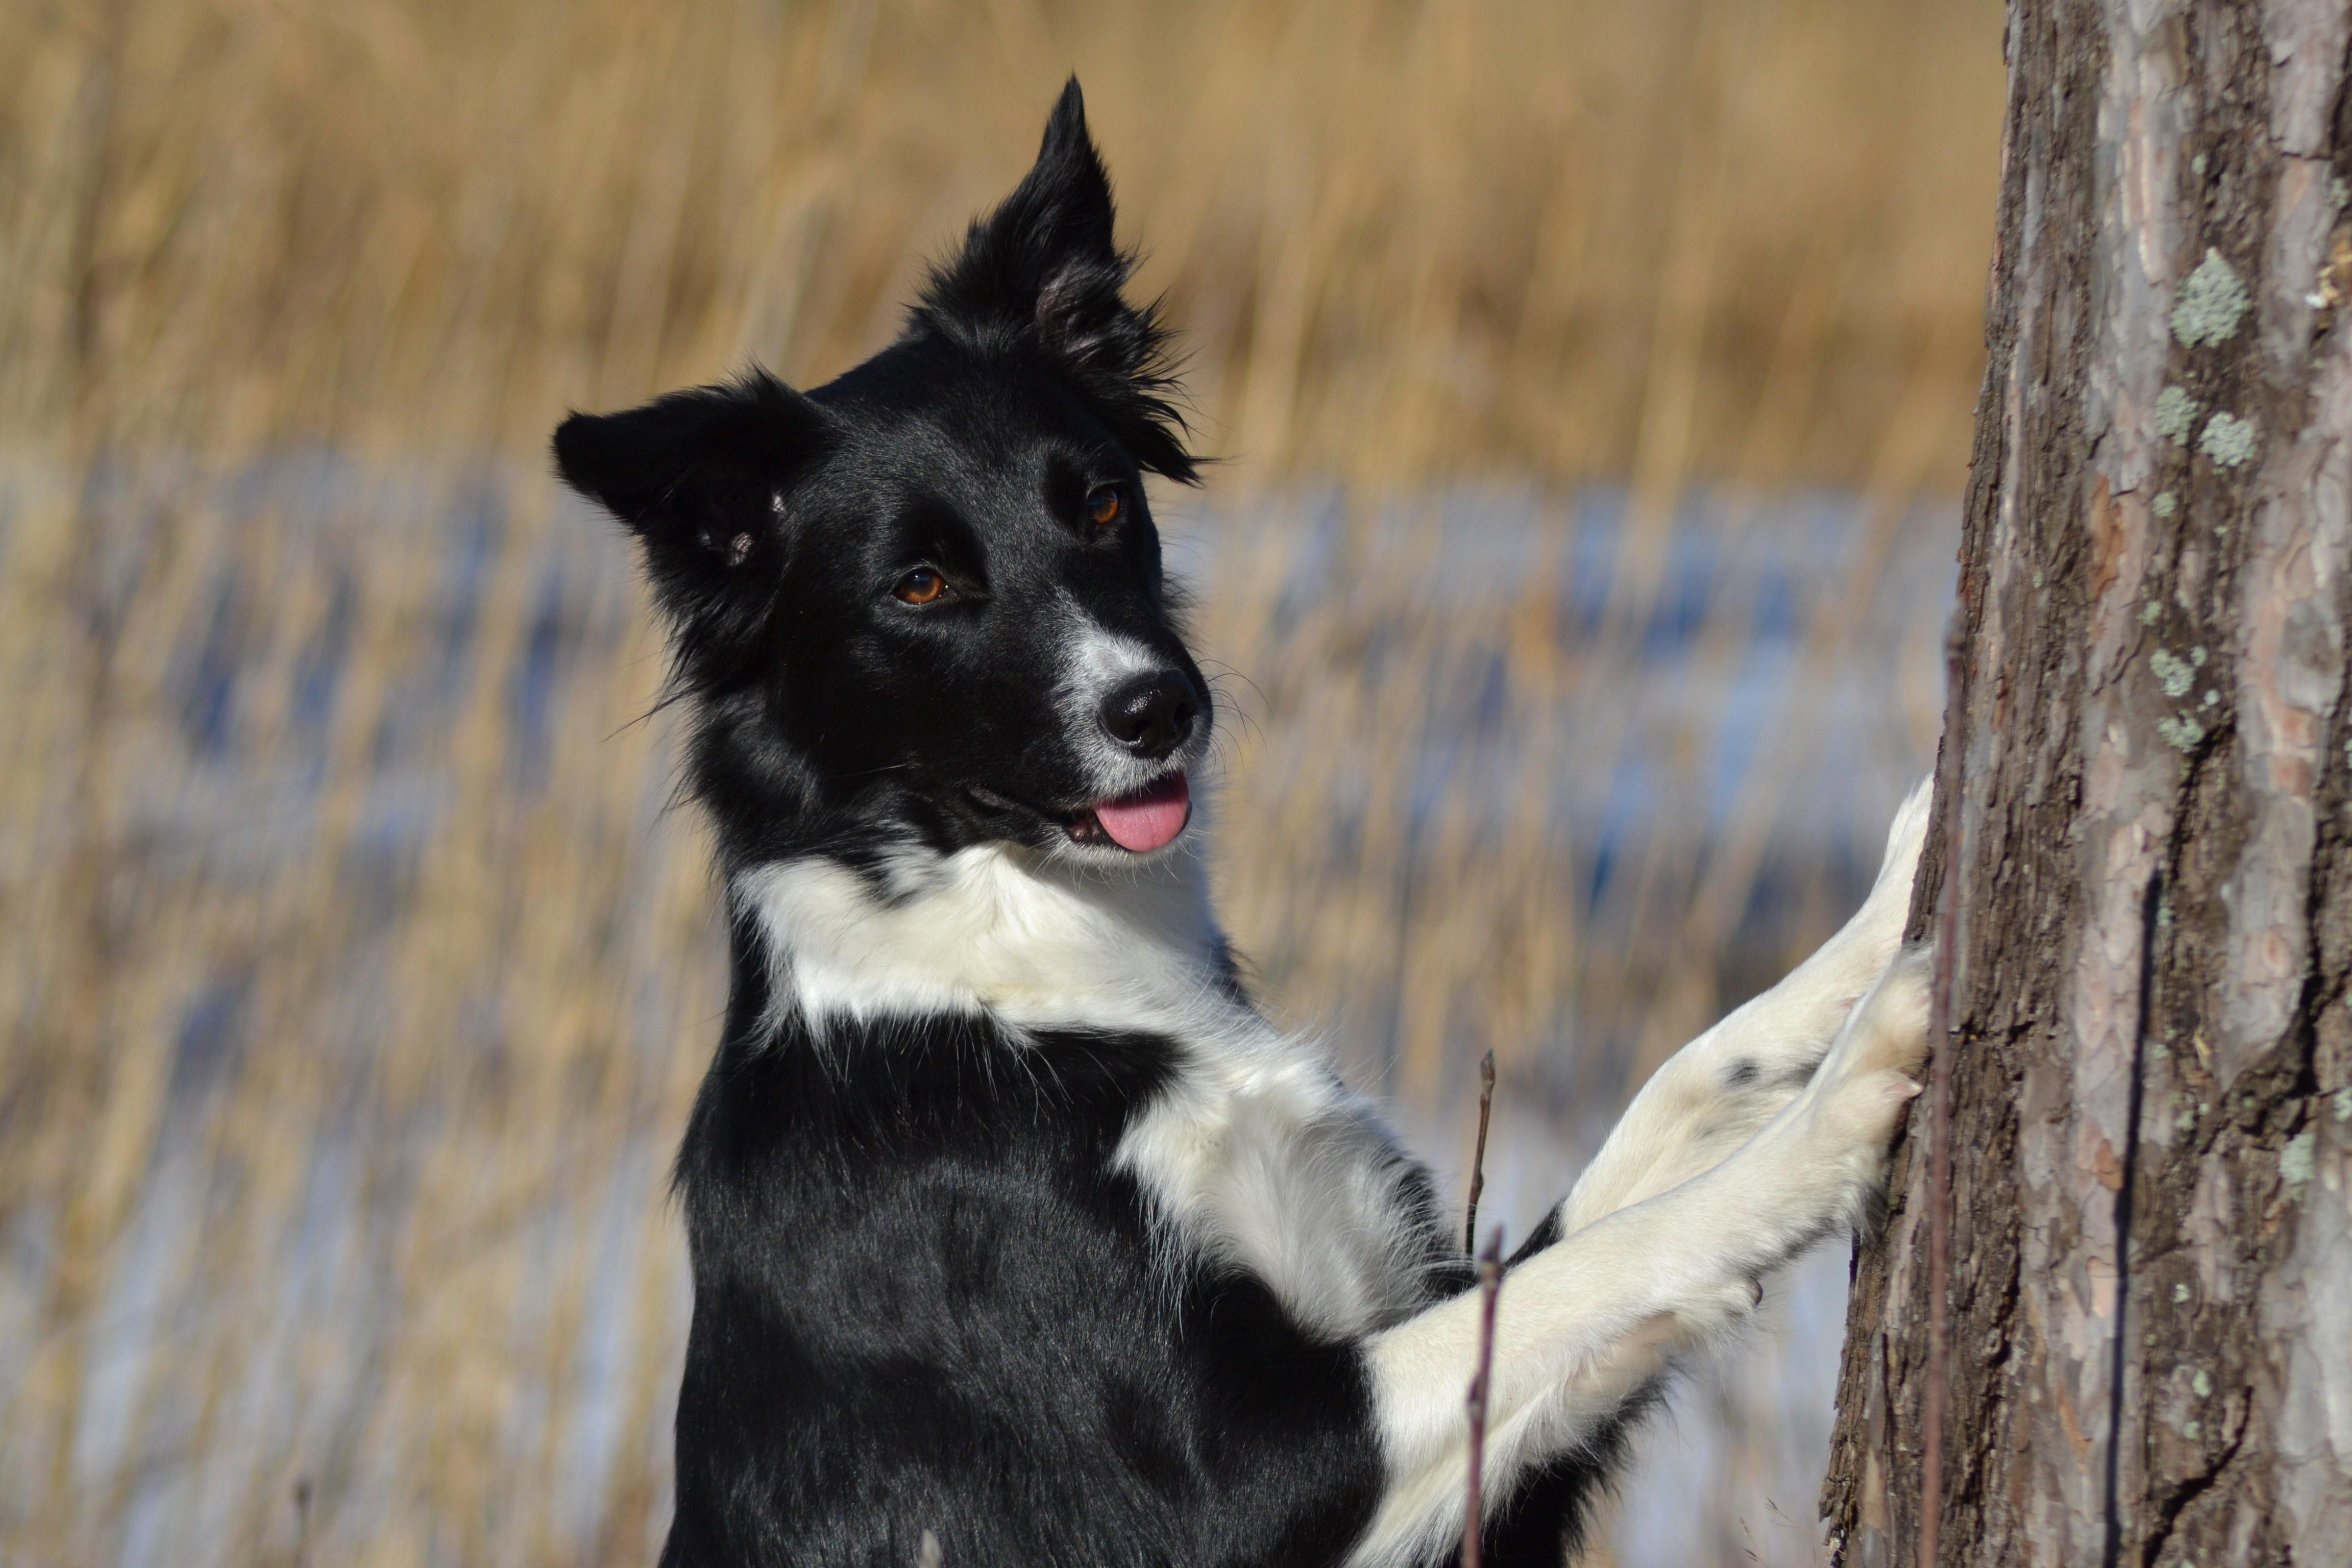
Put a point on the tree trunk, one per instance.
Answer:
(2150, 1339)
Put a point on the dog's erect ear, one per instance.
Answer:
(1042, 275)
(702, 478)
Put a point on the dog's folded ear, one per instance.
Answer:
(702, 478)
(1043, 276)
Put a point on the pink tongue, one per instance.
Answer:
(1150, 817)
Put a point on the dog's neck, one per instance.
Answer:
(995, 930)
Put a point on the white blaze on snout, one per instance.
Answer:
(1095, 662)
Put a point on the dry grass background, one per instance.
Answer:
(1583, 365)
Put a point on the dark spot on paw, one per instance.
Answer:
(1742, 1073)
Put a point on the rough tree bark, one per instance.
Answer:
(2151, 1258)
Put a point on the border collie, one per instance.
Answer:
(1012, 1223)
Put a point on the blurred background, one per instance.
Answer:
(1595, 379)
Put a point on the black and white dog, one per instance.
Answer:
(1011, 1219)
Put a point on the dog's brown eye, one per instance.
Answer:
(920, 586)
(1103, 505)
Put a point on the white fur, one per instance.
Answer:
(1095, 662)
(1689, 1115)
(1258, 1156)
(1701, 1190)
(1035, 938)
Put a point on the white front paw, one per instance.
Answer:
(1876, 929)
(1771, 1046)
(1858, 1096)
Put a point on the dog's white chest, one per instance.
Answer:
(1257, 1157)
(1254, 1155)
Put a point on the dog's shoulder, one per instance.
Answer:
(1249, 1152)
(1255, 1156)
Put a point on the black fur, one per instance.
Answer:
(925, 1299)
(1043, 280)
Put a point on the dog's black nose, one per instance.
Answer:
(1152, 714)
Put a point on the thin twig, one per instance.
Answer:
(1939, 1104)
(302, 1522)
(1490, 1289)
(1478, 1159)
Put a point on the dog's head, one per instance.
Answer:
(926, 597)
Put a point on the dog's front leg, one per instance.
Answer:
(1714, 1093)
(1583, 1324)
